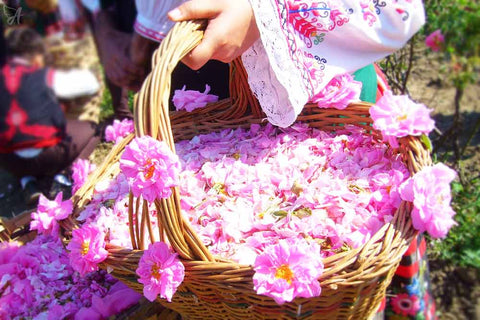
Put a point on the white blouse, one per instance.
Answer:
(92, 5)
(304, 44)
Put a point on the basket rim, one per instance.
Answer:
(381, 252)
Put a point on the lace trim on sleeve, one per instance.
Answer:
(271, 69)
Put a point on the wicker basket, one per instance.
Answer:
(353, 283)
(17, 229)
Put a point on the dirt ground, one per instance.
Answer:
(457, 290)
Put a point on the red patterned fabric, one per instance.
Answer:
(409, 296)
(30, 115)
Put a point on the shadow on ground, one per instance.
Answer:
(11, 196)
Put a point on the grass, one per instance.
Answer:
(106, 106)
(462, 245)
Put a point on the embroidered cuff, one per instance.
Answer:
(155, 31)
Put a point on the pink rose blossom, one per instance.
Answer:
(44, 220)
(119, 298)
(119, 130)
(87, 249)
(160, 271)
(339, 188)
(190, 100)
(86, 313)
(8, 250)
(151, 168)
(429, 190)
(38, 282)
(399, 116)
(435, 40)
(339, 92)
(288, 270)
(80, 171)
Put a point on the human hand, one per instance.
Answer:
(231, 29)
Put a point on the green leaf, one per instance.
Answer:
(303, 212)
(457, 187)
(426, 141)
(280, 213)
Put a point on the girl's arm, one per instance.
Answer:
(302, 45)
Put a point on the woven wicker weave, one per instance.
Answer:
(353, 282)
(17, 229)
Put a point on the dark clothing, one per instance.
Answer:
(30, 114)
(43, 23)
(214, 73)
(32, 117)
(3, 46)
(124, 13)
(119, 95)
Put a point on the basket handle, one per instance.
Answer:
(152, 117)
(152, 99)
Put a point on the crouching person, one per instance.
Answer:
(37, 142)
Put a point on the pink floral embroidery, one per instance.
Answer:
(308, 17)
(337, 19)
(368, 9)
(405, 305)
(298, 15)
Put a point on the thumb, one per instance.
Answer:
(194, 9)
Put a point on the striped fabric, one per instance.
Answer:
(409, 296)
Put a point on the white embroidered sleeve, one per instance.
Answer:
(304, 44)
(92, 5)
(152, 21)
(68, 10)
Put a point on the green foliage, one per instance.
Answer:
(398, 66)
(459, 22)
(462, 245)
(106, 106)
